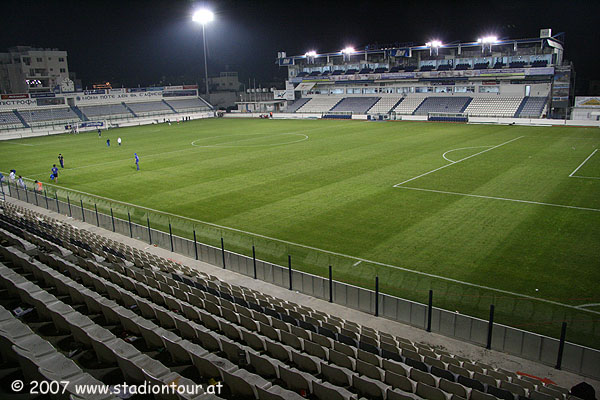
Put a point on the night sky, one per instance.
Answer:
(135, 43)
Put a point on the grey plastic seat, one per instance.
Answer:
(253, 340)
(243, 383)
(453, 387)
(397, 394)
(316, 350)
(264, 366)
(369, 370)
(211, 365)
(342, 360)
(278, 351)
(231, 331)
(395, 367)
(296, 380)
(345, 349)
(369, 388)
(208, 339)
(513, 388)
(369, 357)
(422, 377)
(429, 392)
(290, 340)
(488, 380)
(327, 391)
(478, 395)
(306, 363)
(277, 393)
(400, 382)
(336, 375)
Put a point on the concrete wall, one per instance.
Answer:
(578, 359)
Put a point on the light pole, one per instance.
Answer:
(204, 16)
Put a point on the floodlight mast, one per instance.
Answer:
(204, 16)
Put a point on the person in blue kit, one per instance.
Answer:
(54, 173)
(137, 161)
(107, 142)
(61, 159)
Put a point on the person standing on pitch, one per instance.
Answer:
(55, 173)
(61, 159)
(12, 175)
(119, 141)
(107, 142)
(137, 161)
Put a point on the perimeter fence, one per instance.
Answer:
(517, 324)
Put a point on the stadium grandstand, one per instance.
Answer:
(491, 77)
(40, 113)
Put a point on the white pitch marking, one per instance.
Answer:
(456, 162)
(462, 148)
(356, 263)
(224, 144)
(502, 198)
(584, 161)
(585, 177)
(338, 254)
(18, 144)
(589, 305)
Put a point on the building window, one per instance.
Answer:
(62, 70)
(61, 59)
(39, 59)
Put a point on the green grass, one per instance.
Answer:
(330, 185)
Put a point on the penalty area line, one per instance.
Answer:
(456, 162)
(501, 198)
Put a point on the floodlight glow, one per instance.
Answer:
(487, 40)
(348, 50)
(311, 53)
(434, 43)
(203, 16)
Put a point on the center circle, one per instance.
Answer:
(251, 140)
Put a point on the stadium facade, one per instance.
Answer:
(517, 78)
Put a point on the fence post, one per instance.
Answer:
(112, 218)
(290, 269)
(149, 232)
(97, 218)
(561, 346)
(129, 220)
(171, 236)
(376, 296)
(57, 206)
(26, 196)
(82, 210)
(223, 252)
(429, 310)
(195, 244)
(46, 197)
(18, 194)
(9, 190)
(69, 204)
(36, 198)
(254, 260)
(490, 327)
(330, 286)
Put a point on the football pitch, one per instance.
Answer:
(480, 214)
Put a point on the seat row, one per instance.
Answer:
(337, 337)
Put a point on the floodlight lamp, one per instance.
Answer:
(434, 43)
(487, 40)
(348, 50)
(203, 16)
(311, 53)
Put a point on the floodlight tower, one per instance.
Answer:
(203, 17)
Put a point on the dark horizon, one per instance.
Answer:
(133, 43)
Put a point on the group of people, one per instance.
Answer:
(12, 178)
(20, 182)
